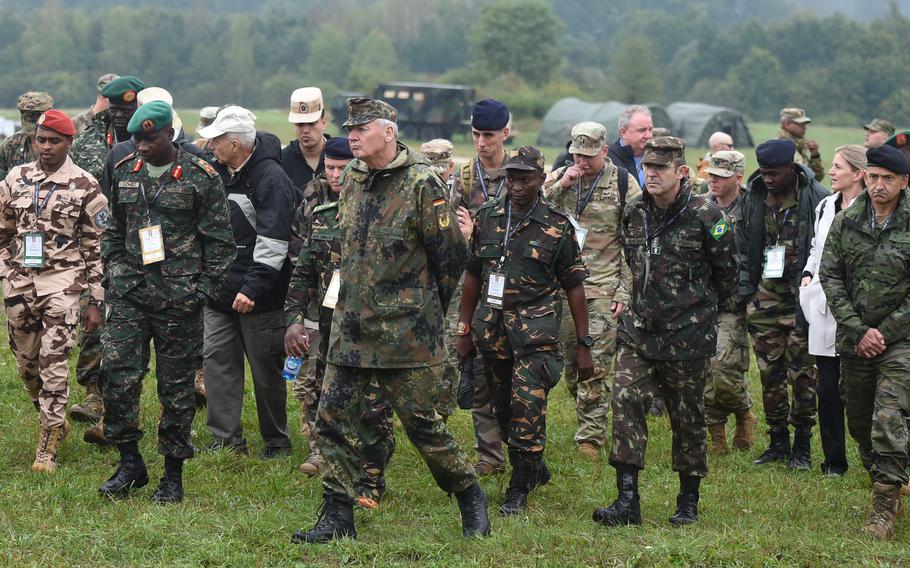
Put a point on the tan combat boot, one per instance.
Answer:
(885, 505)
(718, 434)
(49, 440)
(199, 389)
(95, 434)
(312, 466)
(588, 451)
(744, 436)
(91, 410)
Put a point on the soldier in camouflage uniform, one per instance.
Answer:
(84, 119)
(523, 253)
(17, 149)
(166, 252)
(472, 185)
(865, 272)
(681, 253)
(793, 126)
(727, 390)
(401, 258)
(206, 117)
(51, 217)
(312, 277)
(591, 192)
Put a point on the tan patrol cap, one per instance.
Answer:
(588, 138)
(306, 105)
(797, 115)
(437, 150)
(727, 163)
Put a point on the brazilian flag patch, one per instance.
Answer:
(720, 229)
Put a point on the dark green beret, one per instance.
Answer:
(150, 118)
(123, 90)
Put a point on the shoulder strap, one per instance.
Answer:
(467, 176)
(623, 179)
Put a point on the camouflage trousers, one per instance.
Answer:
(877, 393)
(305, 388)
(413, 394)
(783, 359)
(42, 332)
(177, 335)
(727, 388)
(592, 397)
(683, 384)
(88, 365)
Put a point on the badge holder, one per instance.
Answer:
(152, 244)
(774, 262)
(331, 294)
(496, 288)
(33, 253)
(581, 234)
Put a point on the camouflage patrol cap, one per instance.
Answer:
(438, 151)
(880, 125)
(662, 151)
(727, 163)
(797, 115)
(123, 90)
(38, 101)
(588, 138)
(660, 132)
(150, 118)
(527, 158)
(207, 116)
(104, 80)
(362, 110)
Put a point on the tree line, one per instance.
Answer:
(756, 57)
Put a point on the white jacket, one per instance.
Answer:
(822, 326)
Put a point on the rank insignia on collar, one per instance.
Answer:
(110, 138)
(137, 166)
(442, 213)
(177, 172)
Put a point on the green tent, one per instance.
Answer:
(565, 113)
(696, 122)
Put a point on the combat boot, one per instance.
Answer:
(744, 436)
(801, 457)
(589, 451)
(170, 490)
(686, 501)
(540, 474)
(95, 434)
(778, 450)
(626, 509)
(91, 410)
(519, 488)
(49, 440)
(473, 505)
(718, 434)
(336, 520)
(199, 389)
(885, 502)
(312, 466)
(130, 474)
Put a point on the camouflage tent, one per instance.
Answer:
(696, 122)
(556, 124)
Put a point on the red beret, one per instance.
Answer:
(57, 121)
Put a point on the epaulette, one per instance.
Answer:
(126, 159)
(554, 208)
(325, 206)
(494, 202)
(204, 166)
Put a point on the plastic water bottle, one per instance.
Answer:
(291, 368)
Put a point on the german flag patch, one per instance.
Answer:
(720, 229)
(442, 213)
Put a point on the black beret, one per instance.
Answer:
(490, 114)
(890, 158)
(338, 149)
(775, 153)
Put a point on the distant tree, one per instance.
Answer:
(329, 58)
(517, 36)
(636, 71)
(374, 60)
(759, 84)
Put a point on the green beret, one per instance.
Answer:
(123, 90)
(150, 118)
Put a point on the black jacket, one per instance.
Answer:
(261, 198)
(750, 232)
(623, 156)
(296, 167)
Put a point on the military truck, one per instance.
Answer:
(425, 110)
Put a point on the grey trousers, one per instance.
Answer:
(227, 338)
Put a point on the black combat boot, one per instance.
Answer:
(170, 488)
(801, 457)
(626, 509)
(336, 520)
(523, 472)
(131, 473)
(473, 505)
(687, 500)
(779, 450)
(540, 474)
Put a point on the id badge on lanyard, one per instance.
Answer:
(496, 289)
(331, 293)
(33, 250)
(774, 262)
(151, 242)
(581, 233)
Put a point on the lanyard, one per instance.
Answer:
(40, 208)
(509, 230)
(649, 238)
(579, 204)
(483, 185)
(780, 226)
(160, 187)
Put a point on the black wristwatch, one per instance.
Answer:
(586, 341)
(203, 299)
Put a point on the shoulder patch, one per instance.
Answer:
(720, 229)
(441, 206)
(126, 159)
(325, 206)
(204, 166)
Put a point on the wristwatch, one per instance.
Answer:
(463, 328)
(586, 341)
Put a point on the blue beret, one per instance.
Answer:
(338, 149)
(775, 153)
(490, 114)
(890, 158)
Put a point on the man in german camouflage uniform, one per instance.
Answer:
(594, 191)
(681, 253)
(310, 299)
(475, 183)
(523, 253)
(727, 390)
(793, 126)
(51, 216)
(166, 253)
(865, 273)
(18, 149)
(439, 152)
(401, 258)
(84, 119)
